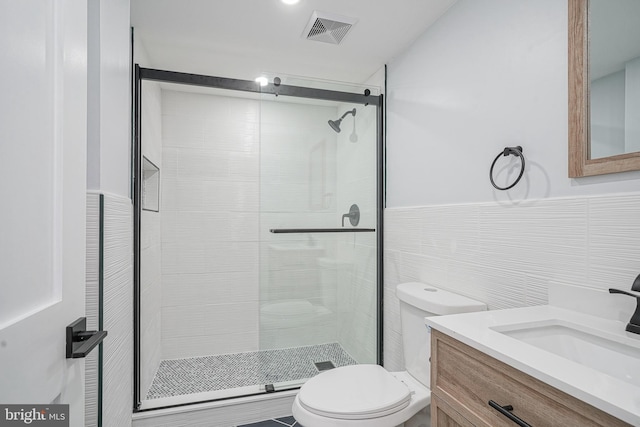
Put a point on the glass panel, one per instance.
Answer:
(200, 251)
(150, 317)
(227, 307)
(317, 290)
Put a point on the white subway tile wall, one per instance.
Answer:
(234, 168)
(507, 255)
(293, 287)
(209, 230)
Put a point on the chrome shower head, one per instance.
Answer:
(335, 124)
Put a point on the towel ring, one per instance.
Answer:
(516, 151)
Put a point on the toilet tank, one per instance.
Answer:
(417, 301)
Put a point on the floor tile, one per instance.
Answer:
(201, 374)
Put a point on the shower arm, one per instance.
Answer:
(348, 112)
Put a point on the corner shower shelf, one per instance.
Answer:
(322, 230)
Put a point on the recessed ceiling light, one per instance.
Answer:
(290, 1)
(262, 81)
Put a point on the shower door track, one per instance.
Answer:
(251, 86)
(165, 76)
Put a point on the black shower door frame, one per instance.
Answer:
(164, 76)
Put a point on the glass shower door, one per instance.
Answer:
(318, 258)
(253, 271)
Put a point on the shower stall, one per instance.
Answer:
(257, 234)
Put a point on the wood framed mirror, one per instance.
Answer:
(584, 158)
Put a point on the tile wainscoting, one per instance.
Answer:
(118, 307)
(506, 255)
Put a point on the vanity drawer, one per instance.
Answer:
(467, 379)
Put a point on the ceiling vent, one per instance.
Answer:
(328, 27)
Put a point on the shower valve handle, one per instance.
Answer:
(353, 215)
(345, 216)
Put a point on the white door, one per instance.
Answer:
(43, 101)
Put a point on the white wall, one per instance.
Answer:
(109, 172)
(109, 156)
(490, 74)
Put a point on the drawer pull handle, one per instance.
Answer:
(506, 411)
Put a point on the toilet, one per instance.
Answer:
(371, 396)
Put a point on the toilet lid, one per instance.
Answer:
(354, 392)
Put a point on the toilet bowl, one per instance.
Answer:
(361, 396)
(369, 395)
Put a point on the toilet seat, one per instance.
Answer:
(354, 392)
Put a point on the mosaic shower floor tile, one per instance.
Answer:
(178, 377)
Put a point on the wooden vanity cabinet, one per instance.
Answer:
(443, 415)
(464, 380)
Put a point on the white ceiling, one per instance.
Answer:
(243, 38)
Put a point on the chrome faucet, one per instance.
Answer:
(634, 323)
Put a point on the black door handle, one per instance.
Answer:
(506, 411)
(80, 342)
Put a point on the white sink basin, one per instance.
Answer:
(588, 357)
(611, 355)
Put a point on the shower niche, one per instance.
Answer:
(227, 307)
(150, 186)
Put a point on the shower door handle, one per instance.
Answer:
(321, 230)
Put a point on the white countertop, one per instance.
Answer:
(612, 395)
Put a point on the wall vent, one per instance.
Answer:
(328, 27)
